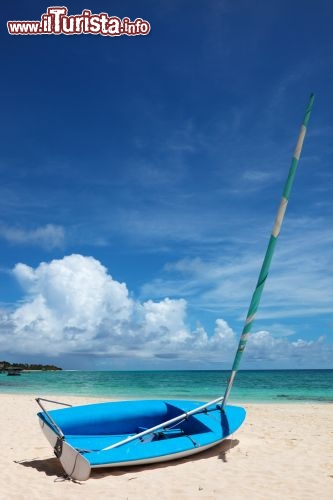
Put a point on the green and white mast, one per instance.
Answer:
(269, 252)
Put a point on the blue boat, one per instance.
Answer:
(142, 432)
(134, 432)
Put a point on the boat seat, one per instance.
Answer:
(163, 433)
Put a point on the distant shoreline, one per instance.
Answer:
(5, 366)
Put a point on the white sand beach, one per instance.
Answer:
(281, 452)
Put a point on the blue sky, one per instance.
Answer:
(140, 177)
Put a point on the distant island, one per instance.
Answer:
(5, 366)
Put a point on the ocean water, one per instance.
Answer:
(273, 386)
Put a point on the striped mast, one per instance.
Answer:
(269, 252)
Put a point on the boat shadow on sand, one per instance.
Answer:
(52, 467)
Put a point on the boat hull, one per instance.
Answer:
(94, 430)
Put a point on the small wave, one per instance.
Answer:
(292, 397)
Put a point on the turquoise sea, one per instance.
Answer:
(273, 386)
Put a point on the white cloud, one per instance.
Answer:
(168, 315)
(72, 301)
(73, 305)
(49, 236)
(263, 347)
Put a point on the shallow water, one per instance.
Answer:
(250, 386)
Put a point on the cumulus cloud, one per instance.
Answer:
(49, 236)
(265, 347)
(73, 305)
